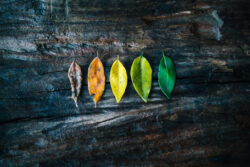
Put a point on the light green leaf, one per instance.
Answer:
(118, 79)
(166, 75)
(141, 76)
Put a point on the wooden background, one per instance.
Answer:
(206, 123)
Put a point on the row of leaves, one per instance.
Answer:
(141, 76)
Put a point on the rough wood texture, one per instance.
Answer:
(206, 123)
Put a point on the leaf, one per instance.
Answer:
(96, 79)
(141, 75)
(118, 79)
(75, 78)
(166, 75)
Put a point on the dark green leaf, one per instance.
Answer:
(166, 75)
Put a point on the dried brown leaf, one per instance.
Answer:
(75, 78)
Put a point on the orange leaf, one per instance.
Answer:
(96, 79)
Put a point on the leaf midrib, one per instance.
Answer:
(164, 59)
(118, 66)
(142, 90)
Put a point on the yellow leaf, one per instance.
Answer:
(96, 79)
(118, 79)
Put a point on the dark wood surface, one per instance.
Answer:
(206, 123)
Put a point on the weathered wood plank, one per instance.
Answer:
(206, 123)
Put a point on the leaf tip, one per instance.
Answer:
(168, 96)
(145, 99)
(118, 100)
(75, 100)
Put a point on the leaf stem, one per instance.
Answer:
(163, 53)
(141, 54)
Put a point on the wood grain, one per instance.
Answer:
(206, 123)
